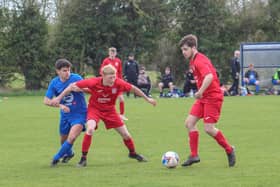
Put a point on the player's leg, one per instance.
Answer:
(121, 100)
(75, 131)
(66, 147)
(211, 117)
(91, 127)
(193, 136)
(64, 129)
(63, 138)
(129, 143)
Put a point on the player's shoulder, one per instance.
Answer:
(202, 56)
(94, 80)
(75, 75)
(120, 81)
(118, 59)
(105, 60)
(55, 80)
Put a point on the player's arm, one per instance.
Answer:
(205, 84)
(70, 88)
(86, 90)
(138, 92)
(49, 102)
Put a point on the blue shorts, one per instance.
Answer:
(252, 82)
(275, 82)
(66, 123)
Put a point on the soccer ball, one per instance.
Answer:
(170, 159)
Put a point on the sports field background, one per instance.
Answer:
(29, 138)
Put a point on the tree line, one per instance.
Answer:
(34, 33)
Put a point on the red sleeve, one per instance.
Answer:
(125, 86)
(86, 83)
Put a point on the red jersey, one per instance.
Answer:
(103, 97)
(202, 66)
(116, 62)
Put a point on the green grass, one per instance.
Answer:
(29, 138)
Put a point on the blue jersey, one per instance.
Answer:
(75, 100)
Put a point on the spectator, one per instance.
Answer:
(235, 71)
(252, 78)
(144, 82)
(276, 77)
(166, 81)
(224, 89)
(131, 71)
(190, 83)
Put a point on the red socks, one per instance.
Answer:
(86, 144)
(223, 142)
(193, 142)
(122, 108)
(130, 145)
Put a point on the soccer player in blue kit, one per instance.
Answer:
(73, 109)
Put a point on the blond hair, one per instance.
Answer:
(113, 49)
(108, 70)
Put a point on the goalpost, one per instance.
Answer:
(266, 59)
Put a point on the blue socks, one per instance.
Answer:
(65, 148)
(257, 88)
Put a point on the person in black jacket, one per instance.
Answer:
(235, 72)
(190, 83)
(166, 81)
(131, 71)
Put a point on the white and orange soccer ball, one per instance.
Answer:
(170, 159)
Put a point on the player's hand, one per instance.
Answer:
(55, 101)
(64, 108)
(198, 95)
(152, 101)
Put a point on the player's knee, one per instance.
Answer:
(188, 124)
(90, 129)
(209, 129)
(71, 139)
(126, 136)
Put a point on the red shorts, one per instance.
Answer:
(110, 118)
(210, 112)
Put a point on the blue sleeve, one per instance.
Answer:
(51, 90)
(77, 77)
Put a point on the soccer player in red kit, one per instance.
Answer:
(117, 63)
(104, 93)
(208, 103)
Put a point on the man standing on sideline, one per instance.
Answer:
(117, 63)
(235, 72)
(131, 71)
(104, 91)
(72, 109)
(208, 103)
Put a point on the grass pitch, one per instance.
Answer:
(29, 139)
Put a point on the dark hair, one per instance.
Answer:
(189, 40)
(61, 63)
